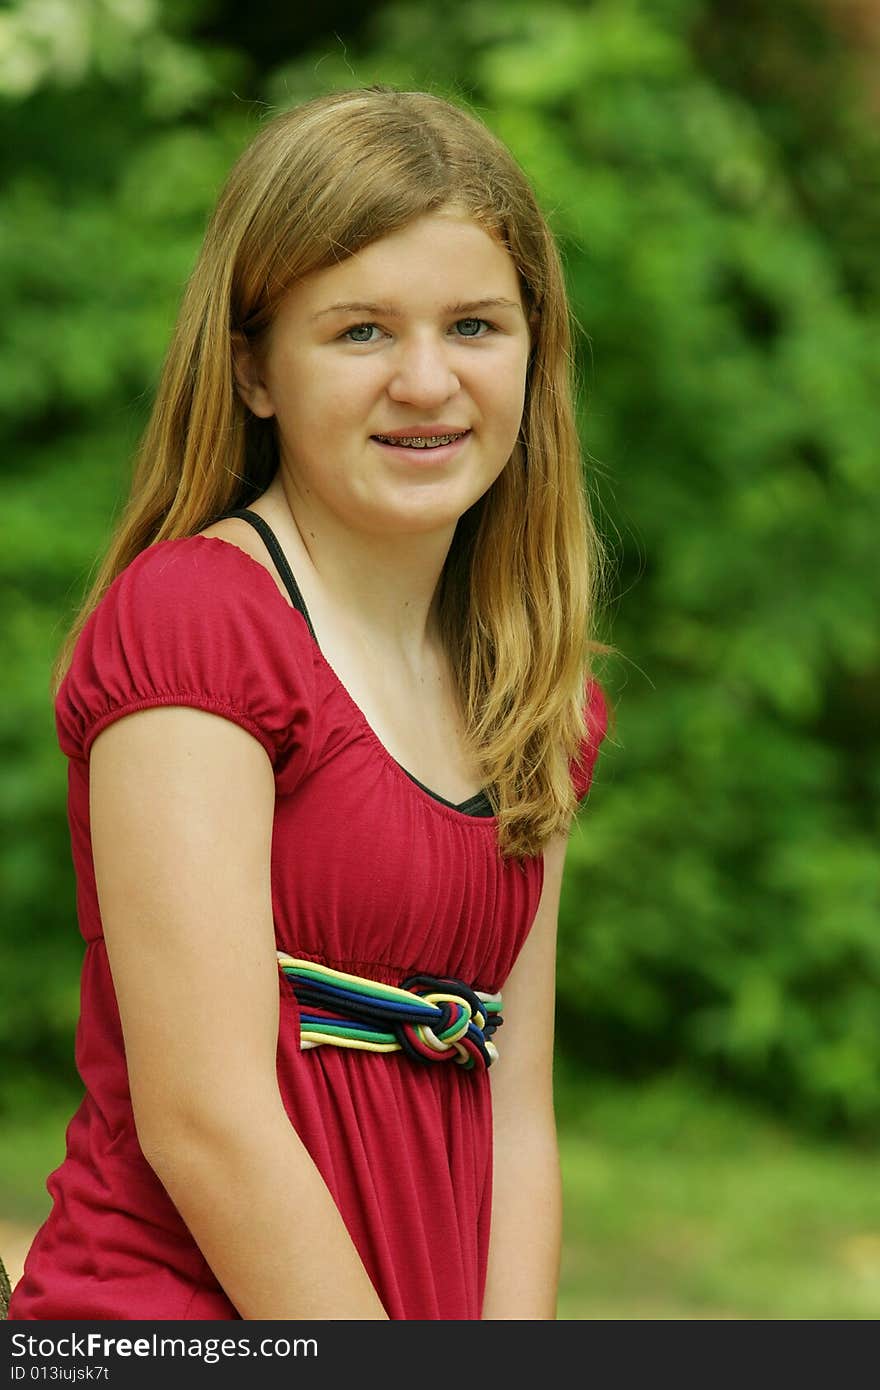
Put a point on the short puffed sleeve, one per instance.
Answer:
(192, 621)
(596, 713)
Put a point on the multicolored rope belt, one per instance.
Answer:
(432, 1018)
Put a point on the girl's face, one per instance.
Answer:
(420, 350)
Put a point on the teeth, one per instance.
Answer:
(420, 442)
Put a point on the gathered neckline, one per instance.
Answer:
(435, 798)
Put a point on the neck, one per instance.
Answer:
(385, 585)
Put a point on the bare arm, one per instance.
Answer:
(526, 1232)
(182, 806)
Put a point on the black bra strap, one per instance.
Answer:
(280, 559)
(478, 805)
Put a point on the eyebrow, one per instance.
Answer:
(389, 311)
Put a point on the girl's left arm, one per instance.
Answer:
(526, 1231)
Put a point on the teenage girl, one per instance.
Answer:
(329, 710)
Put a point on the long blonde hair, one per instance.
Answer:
(519, 590)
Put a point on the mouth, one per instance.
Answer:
(421, 441)
(423, 447)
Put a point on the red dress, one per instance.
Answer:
(372, 873)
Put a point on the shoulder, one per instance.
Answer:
(595, 711)
(188, 592)
(226, 557)
(239, 534)
(192, 620)
(216, 575)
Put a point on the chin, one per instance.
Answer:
(425, 524)
(416, 520)
(432, 507)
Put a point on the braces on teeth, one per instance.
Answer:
(421, 441)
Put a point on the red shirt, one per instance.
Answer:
(372, 873)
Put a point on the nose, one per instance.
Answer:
(423, 373)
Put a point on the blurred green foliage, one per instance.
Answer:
(684, 1204)
(711, 175)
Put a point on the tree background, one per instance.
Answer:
(711, 173)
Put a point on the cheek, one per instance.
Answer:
(505, 384)
(511, 404)
(310, 405)
(335, 399)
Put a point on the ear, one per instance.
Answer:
(534, 327)
(249, 383)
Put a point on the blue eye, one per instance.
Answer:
(358, 326)
(356, 329)
(474, 335)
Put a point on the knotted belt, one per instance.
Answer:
(432, 1018)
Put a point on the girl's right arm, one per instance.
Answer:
(182, 805)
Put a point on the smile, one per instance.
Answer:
(418, 441)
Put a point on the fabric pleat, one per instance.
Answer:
(371, 873)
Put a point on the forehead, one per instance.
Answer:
(434, 262)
